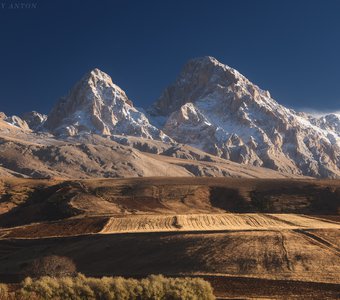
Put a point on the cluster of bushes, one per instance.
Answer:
(79, 287)
(55, 277)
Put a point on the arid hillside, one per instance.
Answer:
(268, 231)
(28, 155)
(24, 201)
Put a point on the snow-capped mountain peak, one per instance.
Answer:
(210, 106)
(215, 108)
(97, 105)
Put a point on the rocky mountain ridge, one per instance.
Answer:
(214, 108)
(211, 107)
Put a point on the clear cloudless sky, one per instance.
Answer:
(289, 47)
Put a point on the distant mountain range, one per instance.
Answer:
(210, 114)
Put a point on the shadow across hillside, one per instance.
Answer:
(41, 204)
(166, 196)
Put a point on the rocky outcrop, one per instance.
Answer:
(16, 121)
(2, 115)
(34, 119)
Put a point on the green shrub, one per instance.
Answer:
(154, 287)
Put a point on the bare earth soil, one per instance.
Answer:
(251, 238)
(271, 289)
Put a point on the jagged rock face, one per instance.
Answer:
(97, 105)
(34, 119)
(330, 122)
(193, 84)
(12, 125)
(213, 107)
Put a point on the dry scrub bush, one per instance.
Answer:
(118, 288)
(53, 266)
(5, 294)
(3, 291)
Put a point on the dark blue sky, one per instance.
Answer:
(291, 48)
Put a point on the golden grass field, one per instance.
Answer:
(214, 222)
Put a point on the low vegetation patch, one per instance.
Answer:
(3, 291)
(155, 287)
(52, 265)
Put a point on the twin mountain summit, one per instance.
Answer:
(211, 115)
